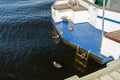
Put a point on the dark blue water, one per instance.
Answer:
(27, 49)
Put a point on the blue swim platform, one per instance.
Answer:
(83, 35)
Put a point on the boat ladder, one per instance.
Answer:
(81, 59)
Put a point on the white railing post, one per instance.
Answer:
(103, 24)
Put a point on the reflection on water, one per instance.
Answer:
(27, 49)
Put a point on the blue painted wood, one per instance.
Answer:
(84, 35)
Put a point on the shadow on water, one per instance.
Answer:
(37, 65)
(27, 49)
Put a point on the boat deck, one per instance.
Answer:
(115, 35)
(61, 6)
(66, 6)
(83, 35)
(111, 72)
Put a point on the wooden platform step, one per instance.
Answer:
(115, 35)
